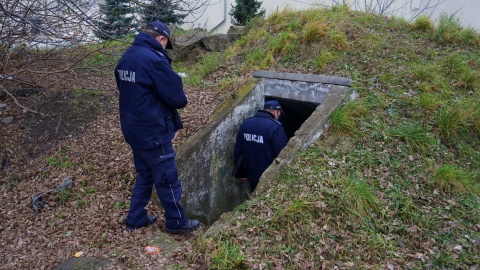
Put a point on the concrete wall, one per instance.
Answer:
(205, 160)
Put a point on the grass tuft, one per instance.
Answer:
(449, 30)
(452, 179)
(423, 23)
(341, 123)
(314, 32)
(228, 255)
(451, 121)
(337, 39)
(429, 102)
(208, 64)
(284, 43)
(357, 197)
(325, 58)
(418, 138)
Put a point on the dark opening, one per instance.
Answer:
(296, 113)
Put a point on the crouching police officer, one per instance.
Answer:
(150, 94)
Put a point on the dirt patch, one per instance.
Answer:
(59, 115)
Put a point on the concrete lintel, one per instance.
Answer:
(303, 77)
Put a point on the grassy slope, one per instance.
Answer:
(395, 180)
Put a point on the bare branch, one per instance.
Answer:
(18, 103)
(39, 43)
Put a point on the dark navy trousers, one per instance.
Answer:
(156, 167)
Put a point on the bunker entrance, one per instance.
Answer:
(205, 160)
(296, 113)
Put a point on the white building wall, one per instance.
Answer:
(468, 12)
(216, 18)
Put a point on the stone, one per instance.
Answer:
(167, 244)
(83, 263)
(3, 106)
(7, 120)
(215, 43)
(235, 32)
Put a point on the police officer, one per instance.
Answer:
(150, 94)
(259, 141)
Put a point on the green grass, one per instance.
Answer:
(452, 179)
(395, 179)
(208, 64)
(423, 23)
(356, 198)
(341, 123)
(415, 136)
(63, 196)
(324, 59)
(228, 256)
(451, 122)
(314, 32)
(61, 162)
(392, 183)
(450, 30)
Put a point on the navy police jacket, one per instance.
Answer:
(259, 140)
(150, 94)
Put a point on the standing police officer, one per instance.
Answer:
(259, 141)
(150, 94)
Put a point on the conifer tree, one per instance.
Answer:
(116, 20)
(161, 10)
(244, 11)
